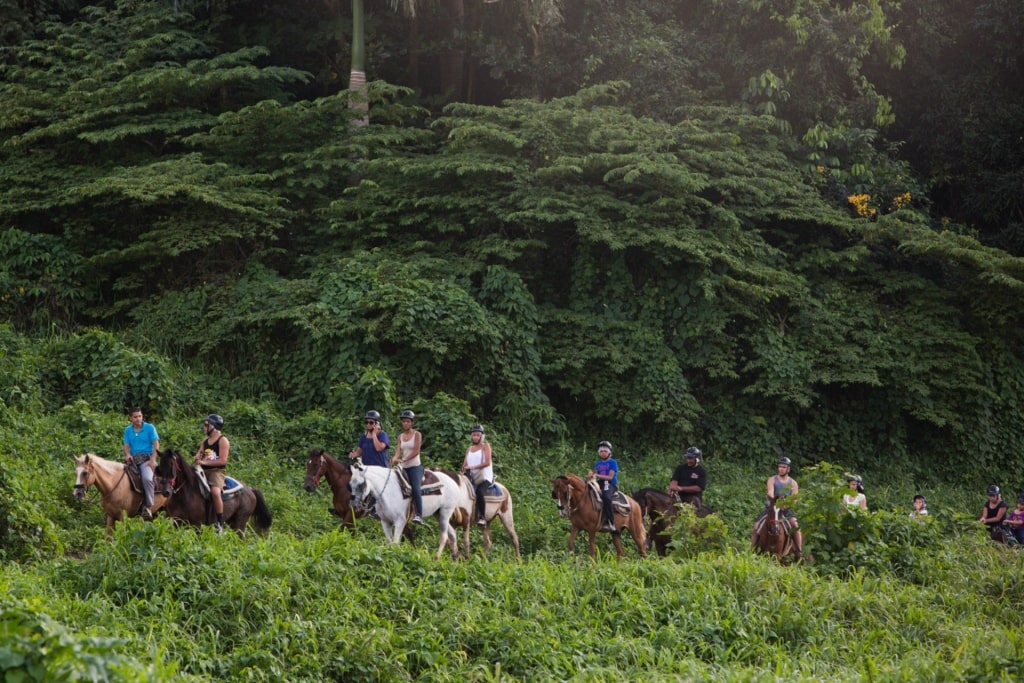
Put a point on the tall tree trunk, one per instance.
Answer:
(358, 99)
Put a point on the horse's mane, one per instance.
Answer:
(109, 466)
(575, 479)
(453, 475)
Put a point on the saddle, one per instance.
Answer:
(135, 474)
(620, 503)
(231, 485)
(493, 494)
(430, 486)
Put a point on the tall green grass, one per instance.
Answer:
(312, 603)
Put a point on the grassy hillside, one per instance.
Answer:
(311, 603)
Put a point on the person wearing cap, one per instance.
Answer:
(606, 472)
(689, 479)
(780, 486)
(1015, 520)
(373, 442)
(855, 498)
(994, 512)
(478, 466)
(407, 454)
(213, 456)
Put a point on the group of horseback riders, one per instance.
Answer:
(689, 481)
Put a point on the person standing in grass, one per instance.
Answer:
(213, 456)
(478, 466)
(408, 456)
(920, 507)
(141, 443)
(606, 472)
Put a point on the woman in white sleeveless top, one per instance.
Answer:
(477, 466)
(408, 456)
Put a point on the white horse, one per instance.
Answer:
(393, 509)
(502, 509)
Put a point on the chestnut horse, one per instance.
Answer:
(111, 479)
(660, 509)
(466, 515)
(187, 501)
(576, 502)
(322, 464)
(772, 533)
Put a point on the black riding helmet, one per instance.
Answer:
(408, 414)
(784, 461)
(215, 421)
(605, 444)
(372, 415)
(693, 452)
(993, 490)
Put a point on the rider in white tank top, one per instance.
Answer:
(474, 458)
(406, 448)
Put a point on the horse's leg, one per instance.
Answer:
(510, 527)
(593, 541)
(636, 530)
(620, 552)
(445, 524)
(572, 538)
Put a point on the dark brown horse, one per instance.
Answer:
(772, 533)
(188, 502)
(661, 509)
(322, 465)
(576, 502)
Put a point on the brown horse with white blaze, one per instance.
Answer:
(577, 504)
(772, 533)
(110, 477)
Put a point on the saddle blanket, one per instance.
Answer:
(430, 486)
(494, 492)
(620, 503)
(231, 485)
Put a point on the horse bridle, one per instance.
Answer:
(566, 509)
(320, 472)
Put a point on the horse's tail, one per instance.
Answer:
(263, 516)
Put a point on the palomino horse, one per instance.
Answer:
(496, 507)
(188, 501)
(322, 464)
(111, 478)
(660, 509)
(577, 503)
(772, 533)
(393, 508)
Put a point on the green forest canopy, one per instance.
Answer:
(770, 226)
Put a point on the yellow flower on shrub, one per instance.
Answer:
(861, 204)
(899, 201)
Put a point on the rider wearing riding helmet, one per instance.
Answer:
(373, 443)
(779, 486)
(407, 454)
(994, 512)
(606, 472)
(212, 456)
(689, 479)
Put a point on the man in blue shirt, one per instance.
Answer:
(606, 471)
(141, 444)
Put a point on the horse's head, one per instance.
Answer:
(316, 467)
(561, 491)
(84, 475)
(357, 484)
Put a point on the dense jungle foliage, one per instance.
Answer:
(770, 226)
